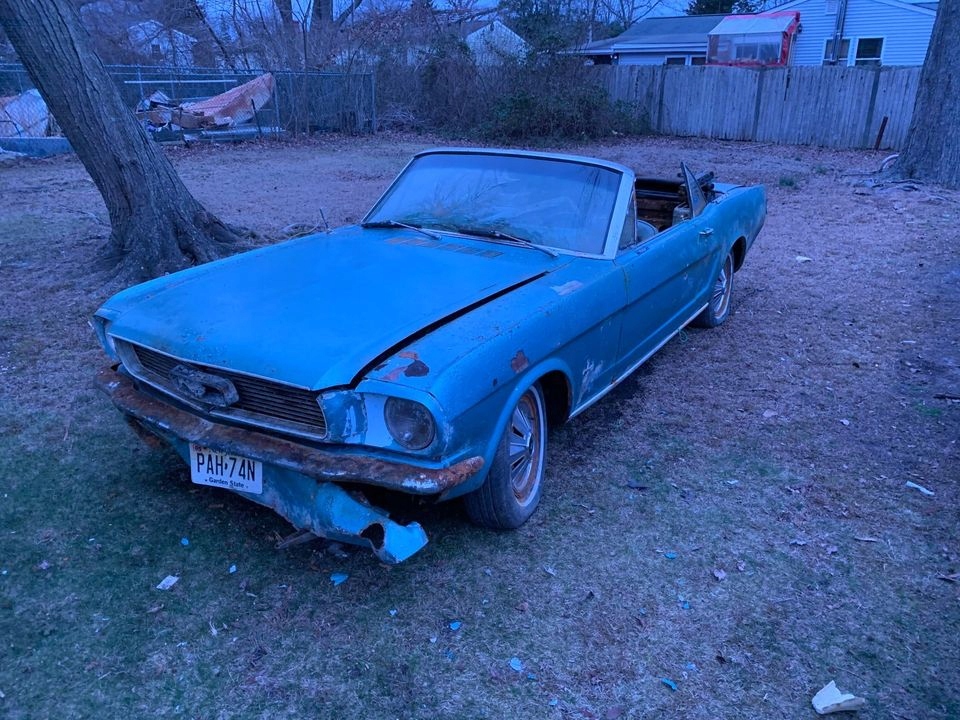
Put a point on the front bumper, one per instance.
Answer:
(298, 480)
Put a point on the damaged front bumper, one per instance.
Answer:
(298, 481)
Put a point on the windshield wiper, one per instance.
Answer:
(398, 224)
(506, 237)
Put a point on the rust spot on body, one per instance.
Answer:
(519, 362)
(417, 368)
(394, 374)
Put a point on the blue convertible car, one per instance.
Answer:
(488, 295)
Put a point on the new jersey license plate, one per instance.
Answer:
(209, 467)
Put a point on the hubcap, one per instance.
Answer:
(526, 448)
(721, 289)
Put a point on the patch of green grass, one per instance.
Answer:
(930, 411)
(787, 181)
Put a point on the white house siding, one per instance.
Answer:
(494, 42)
(905, 30)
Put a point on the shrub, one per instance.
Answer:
(539, 97)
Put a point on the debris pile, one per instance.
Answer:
(227, 110)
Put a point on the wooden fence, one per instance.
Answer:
(838, 107)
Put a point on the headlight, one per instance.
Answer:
(409, 422)
(99, 326)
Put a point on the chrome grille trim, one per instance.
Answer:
(263, 403)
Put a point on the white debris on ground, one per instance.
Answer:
(831, 700)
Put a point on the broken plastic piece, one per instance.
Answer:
(921, 488)
(830, 700)
(456, 625)
(516, 665)
(669, 683)
(338, 578)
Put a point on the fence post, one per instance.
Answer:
(373, 102)
(661, 71)
(758, 104)
(871, 108)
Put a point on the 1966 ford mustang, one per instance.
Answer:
(488, 295)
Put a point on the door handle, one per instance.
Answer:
(705, 233)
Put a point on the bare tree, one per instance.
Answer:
(157, 225)
(932, 151)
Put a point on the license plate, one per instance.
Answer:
(209, 467)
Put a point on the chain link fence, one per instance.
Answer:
(302, 103)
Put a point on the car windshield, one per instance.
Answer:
(560, 204)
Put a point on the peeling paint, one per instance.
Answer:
(394, 374)
(591, 372)
(519, 363)
(417, 368)
(567, 287)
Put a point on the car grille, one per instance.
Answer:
(261, 402)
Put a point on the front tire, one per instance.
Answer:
(718, 309)
(511, 492)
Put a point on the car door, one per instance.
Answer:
(668, 278)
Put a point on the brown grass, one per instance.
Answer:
(775, 449)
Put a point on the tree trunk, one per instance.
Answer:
(932, 151)
(157, 225)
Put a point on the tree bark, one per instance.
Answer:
(157, 225)
(932, 150)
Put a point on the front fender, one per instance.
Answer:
(507, 402)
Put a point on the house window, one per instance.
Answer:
(830, 6)
(698, 60)
(869, 51)
(841, 55)
(676, 61)
(156, 51)
(763, 49)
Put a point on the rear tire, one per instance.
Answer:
(511, 492)
(718, 309)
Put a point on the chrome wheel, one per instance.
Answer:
(722, 289)
(526, 447)
(718, 305)
(511, 491)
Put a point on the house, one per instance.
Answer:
(758, 40)
(160, 45)
(862, 32)
(829, 32)
(656, 41)
(490, 41)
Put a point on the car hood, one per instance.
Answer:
(317, 311)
